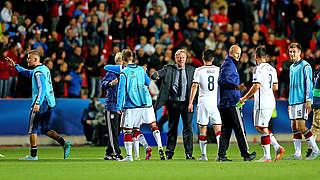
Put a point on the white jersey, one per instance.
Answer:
(207, 78)
(266, 76)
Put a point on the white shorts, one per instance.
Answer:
(206, 114)
(298, 111)
(262, 117)
(133, 118)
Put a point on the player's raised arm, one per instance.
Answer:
(20, 69)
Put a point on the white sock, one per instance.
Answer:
(157, 137)
(312, 142)
(128, 146)
(203, 147)
(143, 141)
(136, 147)
(274, 142)
(218, 140)
(297, 146)
(266, 150)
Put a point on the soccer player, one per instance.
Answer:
(43, 102)
(300, 96)
(207, 108)
(138, 137)
(135, 99)
(265, 81)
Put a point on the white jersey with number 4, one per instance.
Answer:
(207, 78)
(266, 76)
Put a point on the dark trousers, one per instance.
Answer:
(113, 130)
(232, 120)
(175, 109)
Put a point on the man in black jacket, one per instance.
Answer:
(174, 93)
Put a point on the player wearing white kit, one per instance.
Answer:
(207, 109)
(264, 81)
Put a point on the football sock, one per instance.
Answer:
(157, 136)
(273, 141)
(33, 151)
(203, 144)
(311, 140)
(136, 147)
(297, 139)
(218, 133)
(140, 137)
(61, 141)
(265, 142)
(54, 135)
(128, 143)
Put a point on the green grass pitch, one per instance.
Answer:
(88, 163)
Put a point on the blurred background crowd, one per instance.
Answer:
(78, 37)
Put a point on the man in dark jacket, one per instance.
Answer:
(110, 83)
(174, 93)
(231, 117)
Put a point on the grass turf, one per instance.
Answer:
(88, 163)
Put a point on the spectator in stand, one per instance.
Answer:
(210, 41)
(154, 4)
(143, 28)
(27, 27)
(55, 14)
(177, 36)
(4, 74)
(272, 50)
(168, 57)
(157, 28)
(76, 58)
(165, 38)
(303, 30)
(95, 33)
(53, 44)
(70, 42)
(284, 80)
(6, 12)
(93, 66)
(189, 33)
(309, 57)
(40, 26)
(14, 53)
(81, 30)
(156, 59)
(103, 18)
(117, 30)
(173, 18)
(74, 84)
(244, 42)
(60, 79)
(148, 49)
(111, 57)
(198, 45)
(142, 58)
(40, 42)
(13, 27)
(204, 17)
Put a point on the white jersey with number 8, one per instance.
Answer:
(266, 76)
(207, 78)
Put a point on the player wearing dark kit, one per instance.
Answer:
(43, 102)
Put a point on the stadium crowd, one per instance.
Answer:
(78, 37)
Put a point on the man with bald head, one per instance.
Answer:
(229, 83)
